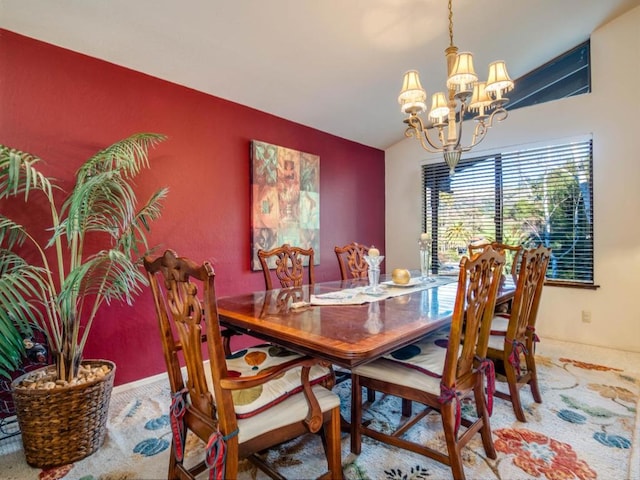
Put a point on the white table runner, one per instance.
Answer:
(359, 295)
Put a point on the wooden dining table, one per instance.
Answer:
(344, 334)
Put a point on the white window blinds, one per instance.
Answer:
(532, 196)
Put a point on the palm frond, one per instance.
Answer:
(104, 203)
(11, 344)
(128, 155)
(11, 347)
(108, 275)
(21, 287)
(19, 175)
(12, 234)
(136, 231)
(21, 291)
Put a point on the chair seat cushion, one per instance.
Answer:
(499, 326)
(418, 365)
(254, 360)
(291, 409)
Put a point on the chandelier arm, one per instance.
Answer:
(482, 127)
(499, 114)
(416, 128)
(478, 135)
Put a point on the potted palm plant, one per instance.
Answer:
(95, 237)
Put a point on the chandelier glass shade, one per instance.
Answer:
(441, 131)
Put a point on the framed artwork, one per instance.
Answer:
(285, 199)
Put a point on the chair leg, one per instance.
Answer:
(453, 449)
(226, 342)
(356, 414)
(333, 445)
(406, 407)
(371, 395)
(533, 377)
(172, 473)
(514, 391)
(483, 413)
(231, 462)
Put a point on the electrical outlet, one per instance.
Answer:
(586, 316)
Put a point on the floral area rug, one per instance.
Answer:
(586, 428)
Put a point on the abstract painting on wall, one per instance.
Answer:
(285, 199)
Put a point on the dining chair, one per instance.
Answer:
(245, 403)
(441, 370)
(351, 260)
(352, 266)
(288, 264)
(513, 336)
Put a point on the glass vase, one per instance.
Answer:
(374, 274)
(424, 244)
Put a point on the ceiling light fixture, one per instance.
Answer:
(464, 93)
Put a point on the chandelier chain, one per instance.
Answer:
(450, 24)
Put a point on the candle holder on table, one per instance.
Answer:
(424, 243)
(374, 274)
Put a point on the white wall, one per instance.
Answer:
(611, 113)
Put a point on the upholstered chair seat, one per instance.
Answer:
(260, 359)
(419, 365)
(499, 326)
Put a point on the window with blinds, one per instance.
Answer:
(532, 196)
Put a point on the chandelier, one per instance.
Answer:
(442, 133)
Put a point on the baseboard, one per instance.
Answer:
(139, 383)
(147, 380)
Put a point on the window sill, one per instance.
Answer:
(583, 286)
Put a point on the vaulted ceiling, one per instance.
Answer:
(334, 65)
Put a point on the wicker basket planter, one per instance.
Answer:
(65, 424)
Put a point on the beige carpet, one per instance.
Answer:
(587, 428)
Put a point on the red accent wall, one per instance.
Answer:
(63, 107)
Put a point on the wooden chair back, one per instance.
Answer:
(513, 255)
(351, 261)
(289, 264)
(478, 284)
(184, 298)
(526, 300)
